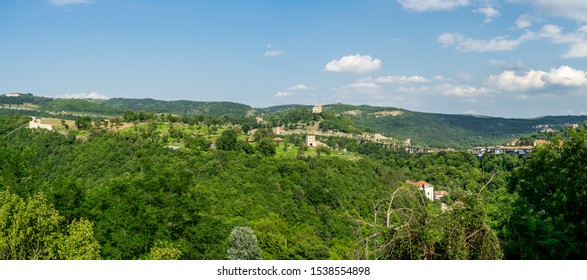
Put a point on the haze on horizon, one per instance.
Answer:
(507, 58)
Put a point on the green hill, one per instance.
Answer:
(180, 107)
(424, 129)
(444, 130)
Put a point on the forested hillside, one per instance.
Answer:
(448, 131)
(124, 194)
(424, 129)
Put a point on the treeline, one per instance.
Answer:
(140, 200)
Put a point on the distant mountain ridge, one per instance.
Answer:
(426, 129)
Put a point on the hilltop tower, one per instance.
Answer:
(318, 108)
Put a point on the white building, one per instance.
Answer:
(424, 186)
(37, 123)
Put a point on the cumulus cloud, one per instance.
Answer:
(292, 90)
(401, 79)
(564, 76)
(70, 2)
(464, 44)
(354, 64)
(577, 40)
(91, 95)
(489, 12)
(432, 5)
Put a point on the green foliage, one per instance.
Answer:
(322, 149)
(180, 107)
(140, 200)
(262, 133)
(243, 245)
(33, 230)
(446, 131)
(227, 141)
(266, 147)
(79, 243)
(164, 251)
(10, 123)
(28, 230)
(552, 192)
(83, 122)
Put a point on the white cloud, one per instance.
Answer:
(524, 21)
(577, 40)
(489, 13)
(70, 2)
(292, 90)
(463, 90)
(299, 87)
(564, 76)
(363, 86)
(354, 64)
(441, 78)
(509, 80)
(283, 94)
(91, 95)
(574, 9)
(274, 53)
(432, 5)
(401, 79)
(463, 44)
(468, 93)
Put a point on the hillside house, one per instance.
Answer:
(439, 194)
(479, 151)
(37, 123)
(424, 186)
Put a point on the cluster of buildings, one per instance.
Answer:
(498, 150)
(509, 150)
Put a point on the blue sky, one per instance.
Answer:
(510, 58)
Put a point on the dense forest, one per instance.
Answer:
(105, 193)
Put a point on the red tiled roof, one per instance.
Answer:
(419, 184)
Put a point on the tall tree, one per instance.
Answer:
(33, 230)
(243, 245)
(227, 141)
(553, 184)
